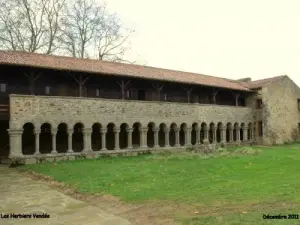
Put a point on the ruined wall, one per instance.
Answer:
(41, 109)
(280, 111)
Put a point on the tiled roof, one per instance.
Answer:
(112, 68)
(262, 82)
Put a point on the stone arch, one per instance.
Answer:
(110, 136)
(136, 137)
(123, 136)
(96, 137)
(150, 134)
(46, 138)
(161, 135)
(211, 131)
(219, 132)
(228, 129)
(203, 127)
(62, 138)
(194, 133)
(242, 131)
(182, 134)
(28, 139)
(249, 128)
(172, 134)
(235, 130)
(77, 137)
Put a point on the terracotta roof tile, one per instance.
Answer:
(112, 68)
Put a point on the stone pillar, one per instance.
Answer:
(245, 134)
(54, 133)
(87, 145)
(156, 130)
(187, 136)
(167, 137)
(15, 142)
(143, 137)
(238, 132)
(117, 144)
(70, 133)
(205, 140)
(214, 135)
(230, 135)
(103, 137)
(37, 141)
(223, 135)
(198, 135)
(177, 137)
(129, 137)
(254, 133)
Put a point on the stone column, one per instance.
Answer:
(198, 136)
(70, 148)
(87, 139)
(103, 137)
(238, 132)
(143, 137)
(129, 137)
(205, 140)
(156, 130)
(214, 135)
(230, 135)
(223, 135)
(245, 134)
(117, 144)
(177, 137)
(187, 136)
(37, 141)
(167, 137)
(53, 133)
(15, 142)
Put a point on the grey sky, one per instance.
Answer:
(232, 38)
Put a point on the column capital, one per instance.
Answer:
(176, 129)
(103, 130)
(205, 128)
(116, 130)
(37, 131)
(54, 131)
(15, 131)
(166, 129)
(87, 130)
(129, 130)
(70, 131)
(245, 128)
(156, 129)
(143, 129)
(187, 129)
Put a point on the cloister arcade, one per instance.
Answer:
(65, 138)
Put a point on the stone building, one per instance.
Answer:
(54, 107)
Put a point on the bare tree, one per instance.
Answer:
(30, 25)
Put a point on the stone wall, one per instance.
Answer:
(54, 110)
(280, 111)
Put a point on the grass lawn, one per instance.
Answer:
(229, 188)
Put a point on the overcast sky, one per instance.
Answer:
(232, 38)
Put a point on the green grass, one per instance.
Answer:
(228, 188)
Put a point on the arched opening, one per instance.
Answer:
(203, 127)
(242, 132)
(235, 130)
(77, 137)
(136, 135)
(4, 140)
(194, 133)
(249, 131)
(172, 135)
(123, 137)
(161, 135)
(211, 131)
(150, 135)
(62, 138)
(46, 139)
(96, 137)
(228, 128)
(219, 130)
(28, 139)
(182, 134)
(110, 137)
